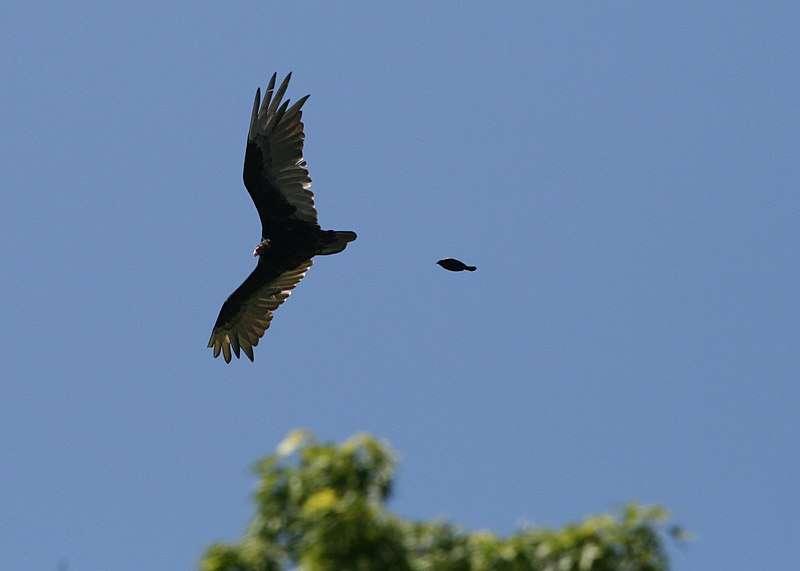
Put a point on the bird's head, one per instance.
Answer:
(262, 247)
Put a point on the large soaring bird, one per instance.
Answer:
(276, 176)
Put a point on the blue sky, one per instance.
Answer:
(624, 175)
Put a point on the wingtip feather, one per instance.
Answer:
(268, 93)
(248, 350)
(254, 113)
(281, 112)
(276, 100)
(294, 109)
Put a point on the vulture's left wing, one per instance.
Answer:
(275, 173)
(247, 312)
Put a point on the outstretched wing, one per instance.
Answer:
(275, 173)
(247, 312)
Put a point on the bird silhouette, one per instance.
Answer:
(455, 265)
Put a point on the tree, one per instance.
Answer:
(322, 507)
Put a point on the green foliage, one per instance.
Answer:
(321, 507)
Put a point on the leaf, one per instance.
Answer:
(322, 500)
(294, 440)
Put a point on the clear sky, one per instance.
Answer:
(625, 175)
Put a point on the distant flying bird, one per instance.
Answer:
(455, 265)
(276, 176)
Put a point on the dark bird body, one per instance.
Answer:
(276, 177)
(455, 265)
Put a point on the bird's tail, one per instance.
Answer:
(470, 268)
(335, 241)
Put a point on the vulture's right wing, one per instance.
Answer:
(247, 312)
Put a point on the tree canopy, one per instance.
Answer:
(322, 507)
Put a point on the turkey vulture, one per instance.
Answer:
(455, 265)
(276, 176)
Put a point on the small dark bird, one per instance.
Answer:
(455, 265)
(276, 176)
